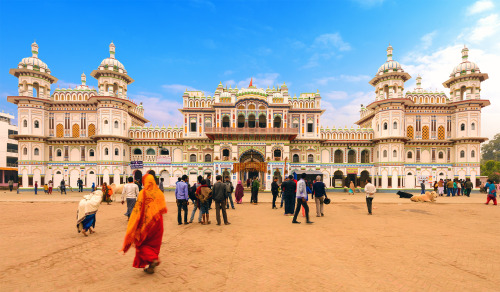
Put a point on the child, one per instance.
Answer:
(46, 188)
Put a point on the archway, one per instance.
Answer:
(364, 175)
(410, 180)
(252, 164)
(338, 179)
(241, 121)
(138, 176)
(251, 121)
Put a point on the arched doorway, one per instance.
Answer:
(277, 174)
(166, 178)
(338, 179)
(364, 175)
(138, 176)
(410, 180)
(251, 166)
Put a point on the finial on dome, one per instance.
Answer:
(419, 82)
(84, 78)
(251, 82)
(389, 52)
(34, 49)
(112, 50)
(465, 53)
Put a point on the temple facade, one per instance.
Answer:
(100, 135)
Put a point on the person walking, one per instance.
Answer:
(422, 187)
(255, 191)
(145, 227)
(107, 192)
(220, 190)
(162, 189)
(63, 187)
(79, 183)
(370, 190)
(93, 186)
(449, 186)
(239, 193)
(275, 191)
(51, 186)
(492, 192)
(36, 187)
(208, 181)
(195, 200)
(230, 193)
(182, 199)
(203, 193)
(130, 192)
(289, 192)
(440, 187)
(301, 196)
(319, 194)
(352, 187)
(86, 213)
(11, 184)
(436, 185)
(459, 188)
(468, 187)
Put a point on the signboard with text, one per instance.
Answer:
(136, 165)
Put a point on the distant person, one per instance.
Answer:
(289, 192)
(239, 193)
(130, 193)
(63, 187)
(79, 183)
(36, 187)
(93, 186)
(319, 194)
(229, 198)
(162, 189)
(459, 188)
(219, 191)
(182, 199)
(301, 196)
(370, 190)
(440, 187)
(454, 187)
(255, 191)
(11, 184)
(492, 192)
(139, 185)
(422, 187)
(275, 191)
(107, 192)
(46, 189)
(87, 209)
(203, 193)
(449, 186)
(468, 187)
(248, 182)
(145, 227)
(436, 185)
(352, 187)
(51, 186)
(208, 181)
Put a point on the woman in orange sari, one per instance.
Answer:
(106, 193)
(145, 227)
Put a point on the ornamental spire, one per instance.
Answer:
(112, 50)
(34, 49)
(389, 53)
(465, 54)
(251, 79)
(84, 79)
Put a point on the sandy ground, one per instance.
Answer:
(447, 246)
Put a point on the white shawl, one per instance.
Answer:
(88, 205)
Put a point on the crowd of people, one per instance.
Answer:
(450, 187)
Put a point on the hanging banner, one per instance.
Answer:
(352, 170)
(136, 165)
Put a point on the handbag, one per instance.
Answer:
(326, 200)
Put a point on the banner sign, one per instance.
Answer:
(352, 170)
(163, 159)
(338, 183)
(136, 165)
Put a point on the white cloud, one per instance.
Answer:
(348, 78)
(179, 88)
(158, 109)
(427, 40)
(262, 80)
(326, 46)
(480, 6)
(486, 27)
(348, 113)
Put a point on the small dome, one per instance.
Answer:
(112, 63)
(31, 62)
(390, 64)
(466, 66)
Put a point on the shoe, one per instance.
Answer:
(179, 223)
(218, 224)
(233, 208)
(227, 223)
(318, 216)
(296, 222)
(186, 223)
(322, 215)
(309, 222)
(369, 213)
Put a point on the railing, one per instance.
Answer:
(12, 150)
(12, 164)
(232, 131)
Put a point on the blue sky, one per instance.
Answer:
(333, 46)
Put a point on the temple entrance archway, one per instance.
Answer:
(252, 164)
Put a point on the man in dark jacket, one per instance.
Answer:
(289, 188)
(275, 190)
(230, 193)
(219, 192)
(209, 184)
(468, 187)
(319, 195)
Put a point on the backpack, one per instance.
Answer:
(192, 192)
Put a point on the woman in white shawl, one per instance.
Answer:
(86, 212)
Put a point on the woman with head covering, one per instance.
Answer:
(145, 226)
(85, 216)
(238, 194)
(106, 193)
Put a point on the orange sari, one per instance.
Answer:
(145, 226)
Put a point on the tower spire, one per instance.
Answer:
(251, 79)
(465, 54)
(34, 49)
(112, 50)
(389, 53)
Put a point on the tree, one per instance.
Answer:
(491, 150)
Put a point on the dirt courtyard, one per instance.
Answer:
(402, 247)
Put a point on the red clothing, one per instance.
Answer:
(149, 249)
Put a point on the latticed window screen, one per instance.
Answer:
(75, 131)
(425, 133)
(409, 132)
(59, 131)
(91, 130)
(441, 133)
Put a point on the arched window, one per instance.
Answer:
(262, 121)
(462, 154)
(164, 151)
(25, 123)
(295, 158)
(277, 153)
(385, 154)
(310, 158)
(241, 121)
(106, 151)
(91, 152)
(208, 158)
(225, 153)
(473, 154)
(105, 122)
(117, 152)
(473, 126)
(277, 122)
(395, 126)
(36, 124)
(441, 155)
(462, 92)
(36, 152)
(365, 156)
(409, 155)
(338, 156)
(441, 133)
(58, 153)
(394, 154)
(137, 151)
(351, 156)
(150, 151)
(251, 121)
(116, 125)
(385, 126)
(425, 133)
(192, 158)
(225, 122)
(462, 127)
(25, 151)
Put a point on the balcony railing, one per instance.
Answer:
(12, 164)
(269, 131)
(12, 150)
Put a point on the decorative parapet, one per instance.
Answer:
(148, 133)
(346, 134)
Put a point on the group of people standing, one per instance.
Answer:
(455, 187)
